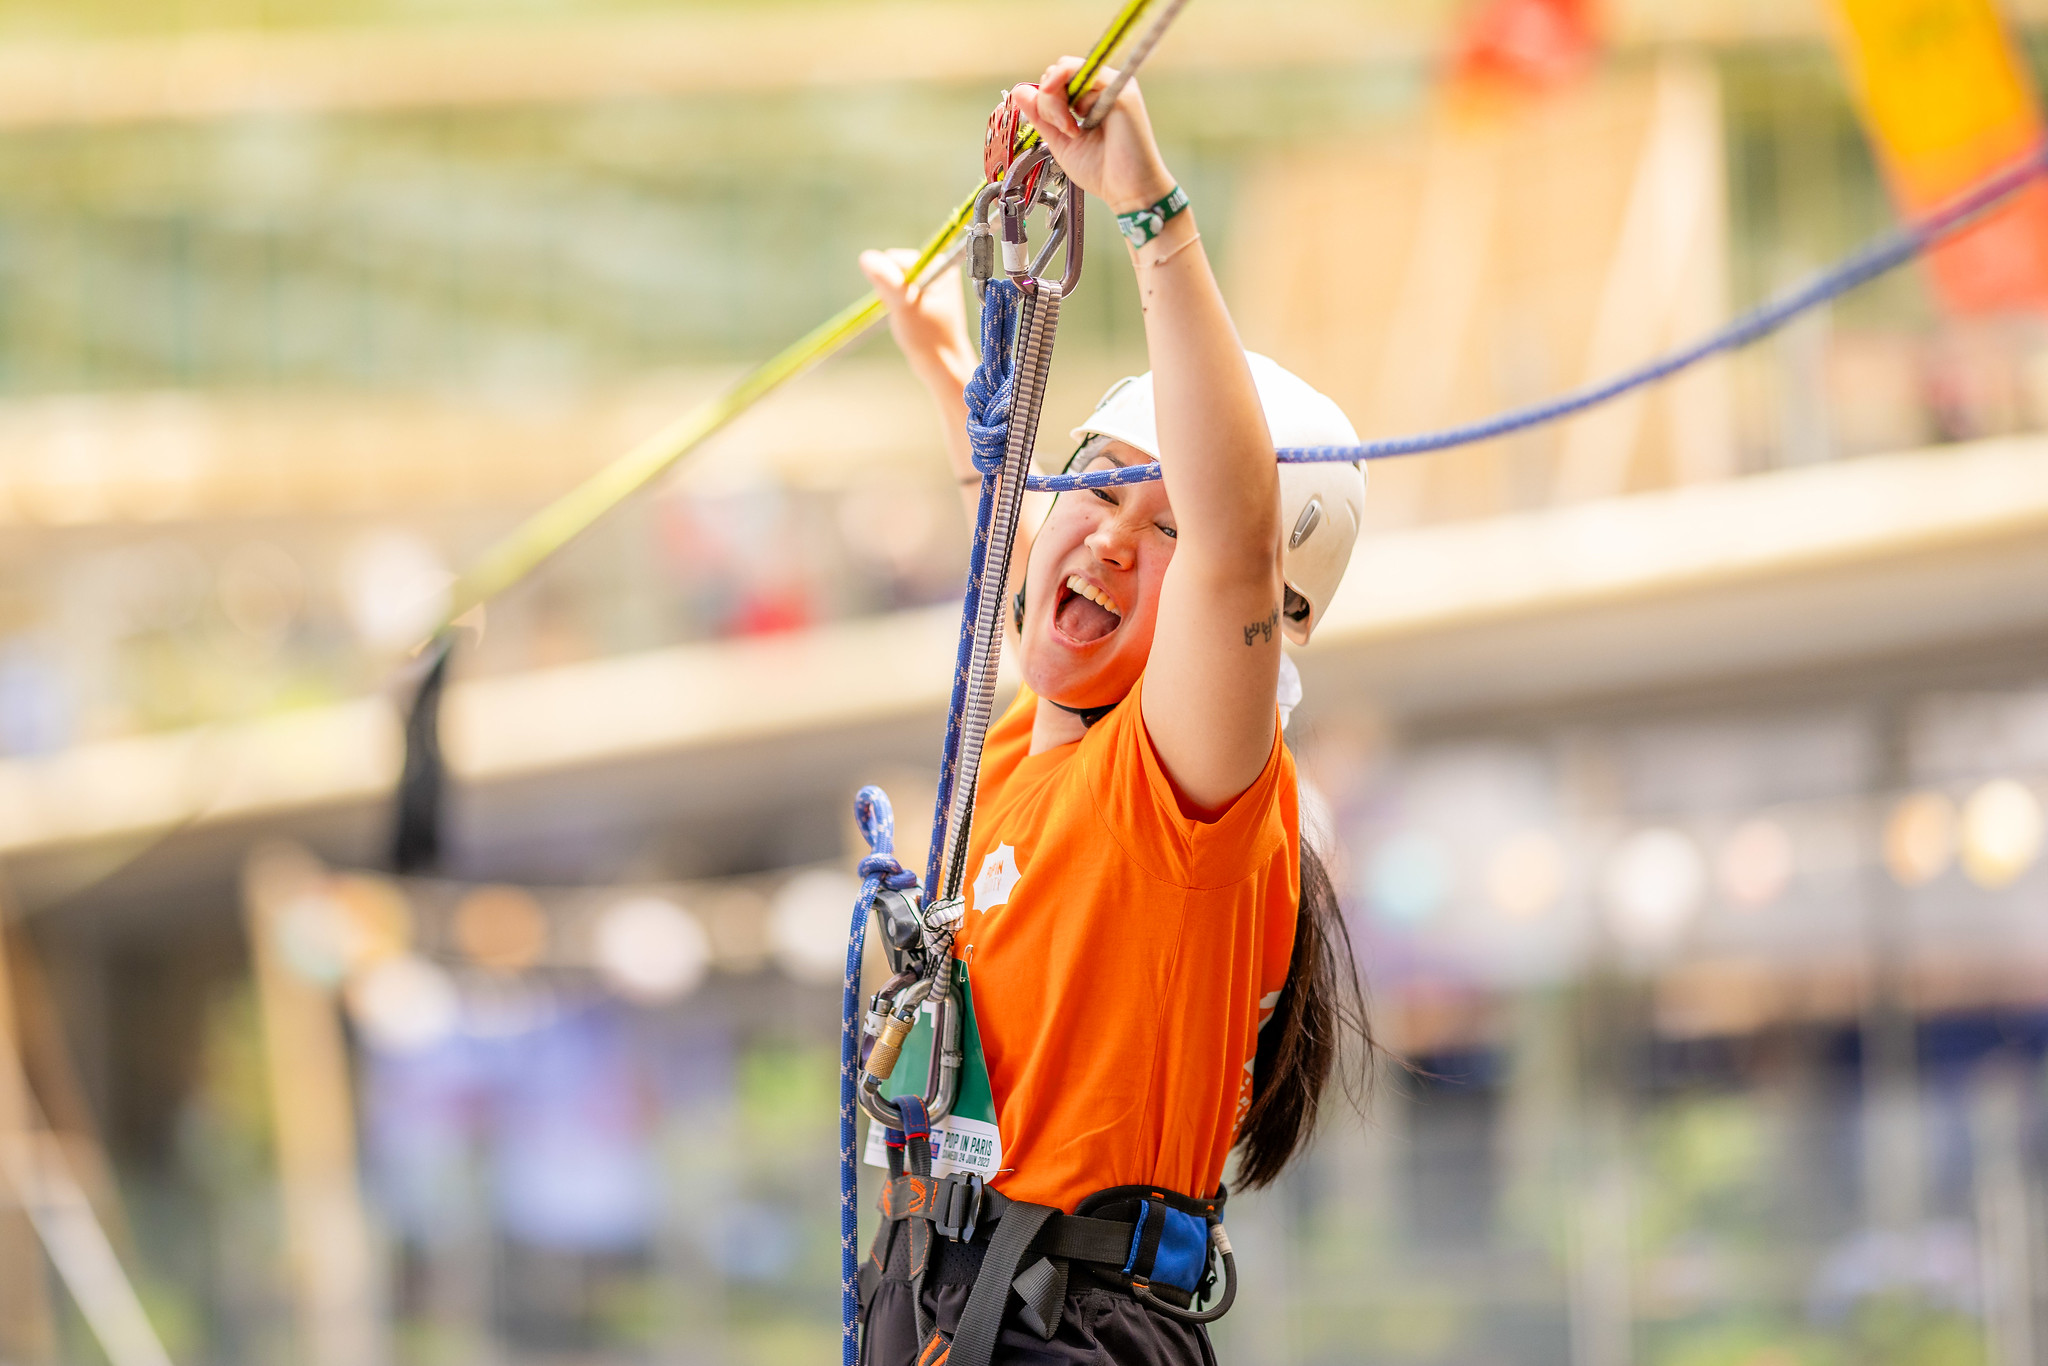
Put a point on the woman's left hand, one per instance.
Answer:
(925, 319)
(1117, 161)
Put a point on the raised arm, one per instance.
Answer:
(931, 331)
(1208, 692)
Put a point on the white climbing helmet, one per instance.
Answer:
(1320, 505)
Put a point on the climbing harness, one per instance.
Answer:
(1166, 1250)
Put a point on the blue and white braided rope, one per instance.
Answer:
(1887, 253)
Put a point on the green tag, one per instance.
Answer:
(967, 1140)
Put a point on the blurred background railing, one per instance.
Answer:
(1681, 766)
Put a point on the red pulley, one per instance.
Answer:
(999, 149)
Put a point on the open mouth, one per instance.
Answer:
(1084, 613)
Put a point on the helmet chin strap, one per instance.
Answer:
(1089, 715)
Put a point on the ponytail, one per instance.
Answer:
(1319, 1018)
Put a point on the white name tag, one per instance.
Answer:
(958, 1145)
(967, 1140)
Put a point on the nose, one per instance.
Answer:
(1114, 542)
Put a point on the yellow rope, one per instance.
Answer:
(554, 526)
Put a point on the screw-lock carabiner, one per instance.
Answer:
(1016, 186)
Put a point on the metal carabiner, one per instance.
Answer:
(981, 241)
(941, 1088)
(1018, 192)
(1066, 228)
(1025, 185)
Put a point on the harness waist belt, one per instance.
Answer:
(1161, 1255)
(958, 1205)
(1155, 1244)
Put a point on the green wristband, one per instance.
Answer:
(1142, 225)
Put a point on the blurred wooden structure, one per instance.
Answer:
(26, 1331)
(139, 459)
(331, 1257)
(1505, 257)
(1787, 570)
(228, 73)
(47, 1207)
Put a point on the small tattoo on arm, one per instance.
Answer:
(1262, 630)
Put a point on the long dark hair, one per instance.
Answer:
(1318, 1024)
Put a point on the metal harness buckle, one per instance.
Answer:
(957, 1206)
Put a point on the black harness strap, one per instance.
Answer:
(917, 1153)
(1082, 1239)
(871, 1276)
(1043, 1288)
(981, 1321)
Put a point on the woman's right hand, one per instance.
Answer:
(1117, 161)
(928, 320)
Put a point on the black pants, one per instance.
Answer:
(1101, 1325)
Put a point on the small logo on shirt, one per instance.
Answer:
(1267, 1003)
(998, 875)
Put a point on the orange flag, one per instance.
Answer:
(1527, 43)
(1946, 101)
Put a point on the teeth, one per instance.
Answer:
(1093, 594)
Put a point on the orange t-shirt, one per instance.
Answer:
(1122, 956)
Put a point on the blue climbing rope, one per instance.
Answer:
(988, 396)
(1887, 253)
(988, 428)
(878, 870)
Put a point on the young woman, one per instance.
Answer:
(1159, 969)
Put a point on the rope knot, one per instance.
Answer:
(990, 389)
(893, 874)
(877, 821)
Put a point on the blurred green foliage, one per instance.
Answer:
(1708, 1170)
